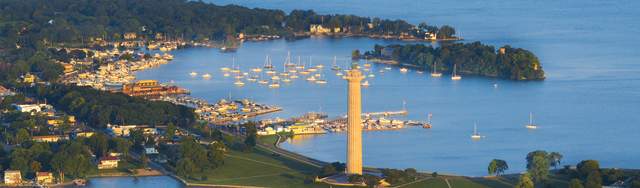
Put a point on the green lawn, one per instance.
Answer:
(259, 168)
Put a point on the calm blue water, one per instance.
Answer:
(118, 182)
(587, 108)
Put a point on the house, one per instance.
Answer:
(108, 162)
(317, 28)
(120, 130)
(150, 150)
(50, 138)
(12, 177)
(130, 36)
(29, 78)
(44, 178)
(85, 134)
(30, 108)
(68, 68)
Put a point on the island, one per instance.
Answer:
(468, 58)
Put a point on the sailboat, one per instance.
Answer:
(267, 63)
(238, 83)
(475, 134)
(274, 85)
(365, 83)
(455, 76)
(531, 125)
(320, 79)
(206, 76)
(334, 66)
(287, 62)
(299, 65)
(193, 74)
(404, 70)
(434, 72)
(428, 124)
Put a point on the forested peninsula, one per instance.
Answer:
(469, 59)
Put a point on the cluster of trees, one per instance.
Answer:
(29, 27)
(469, 58)
(195, 158)
(97, 108)
(539, 162)
(66, 158)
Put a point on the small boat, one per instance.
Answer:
(321, 81)
(238, 83)
(404, 70)
(263, 82)
(455, 76)
(251, 79)
(226, 75)
(286, 80)
(365, 83)
(275, 78)
(293, 71)
(238, 76)
(305, 72)
(320, 66)
(271, 72)
(495, 85)
(293, 76)
(287, 62)
(428, 124)
(339, 73)
(299, 65)
(311, 78)
(312, 69)
(387, 68)
(193, 74)
(531, 125)
(256, 69)
(475, 134)
(225, 69)
(435, 73)
(206, 76)
(274, 85)
(367, 65)
(419, 72)
(371, 75)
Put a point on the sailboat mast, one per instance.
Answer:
(530, 118)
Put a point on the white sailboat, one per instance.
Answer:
(434, 72)
(531, 125)
(404, 70)
(334, 66)
(428, 124)
(365, 83)
(206, 76)
(455, 76)
(274, 85)
(193, 74)
(475, 134)
(267, 63)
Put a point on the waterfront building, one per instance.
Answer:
(12, 177)
(108, 162)
(354, 121)
(306, 128)
(44, 178)
(317, 28)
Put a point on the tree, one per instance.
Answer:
(446, 32)
(524, 181)
(594, 180)
(539, 168)
(185, 167)
(145, 160)
(22, 135)
(497, 167)
(575, 183)
(171, 131)
(355, 54)
(493, 165)
(555, 159)
(586, 167)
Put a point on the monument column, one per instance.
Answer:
(354, 120)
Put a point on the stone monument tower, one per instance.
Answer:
(354, 120)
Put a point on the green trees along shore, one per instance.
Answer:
(469, 58)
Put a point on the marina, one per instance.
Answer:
(558, 103)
